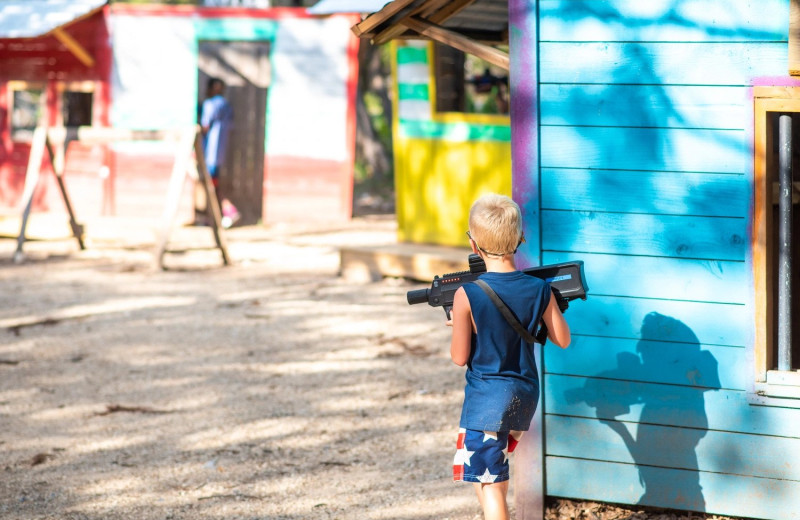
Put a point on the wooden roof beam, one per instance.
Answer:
(458, 41)
(435, 11)
(370, 23)
(73, 46)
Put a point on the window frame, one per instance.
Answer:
(85, 87)
(450, 116)
(770, 387)
(22, 135)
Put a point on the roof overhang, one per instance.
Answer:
(28, 19)
(473, 26)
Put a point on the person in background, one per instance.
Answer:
(216, 120)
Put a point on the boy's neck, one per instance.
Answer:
(495, 264)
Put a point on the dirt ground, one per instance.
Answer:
(268, 389)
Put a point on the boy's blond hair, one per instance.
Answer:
(495, 224)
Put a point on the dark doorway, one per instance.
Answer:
(245, 69)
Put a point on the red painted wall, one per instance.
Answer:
(46, 61)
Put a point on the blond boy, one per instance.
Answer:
(502, 387)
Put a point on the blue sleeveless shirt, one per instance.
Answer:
(502, 387)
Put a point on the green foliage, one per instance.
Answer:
(380, 121)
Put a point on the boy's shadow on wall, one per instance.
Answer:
(655, 447)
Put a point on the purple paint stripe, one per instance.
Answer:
(523, 47)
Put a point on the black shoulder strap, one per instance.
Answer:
(506, 312)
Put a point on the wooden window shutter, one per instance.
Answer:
(794, 38)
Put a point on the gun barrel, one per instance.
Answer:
(418, 296)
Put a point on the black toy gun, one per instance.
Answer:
(566, 279)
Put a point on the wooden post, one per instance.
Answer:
(190, 141)
(211, 195)
(31, 180)
(794, 38)
(529, 478)
(58, 161)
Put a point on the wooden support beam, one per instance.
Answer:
(73, 46)
(370, 23)
(458, 41)
(794, 38)
(58, 161)
(102, 135)
(190, 141)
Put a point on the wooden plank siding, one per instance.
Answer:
(645, 119)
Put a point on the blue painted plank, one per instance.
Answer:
(686, 20)
(664, 320)
(678, 279)
(718, 493)
(688, 364)
(710, 238)
(670, 447)
(672, 193)
(722, 410)
(645, 105)
(657, 149)
(657, 63)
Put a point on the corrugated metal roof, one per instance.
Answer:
(32, 18)
(482, 15)
(347, 6)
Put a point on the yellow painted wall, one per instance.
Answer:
(436, 182)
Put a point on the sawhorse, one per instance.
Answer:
(56, 140)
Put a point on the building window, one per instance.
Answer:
(76, 108)
(465, 83)
(776, 241)
(76, 101)
(27, 109)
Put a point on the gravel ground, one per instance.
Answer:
(268, 389)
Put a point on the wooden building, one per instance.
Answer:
(450, 131)
(650, 140)
(291, 78)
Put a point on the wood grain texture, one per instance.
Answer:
(695, 365)
(708, 238)
(670, 447)
(669, 193)
(677, 279)
(687, 20)
(659, 106)
(653, 149)
(665, 63)
(724, 410)
(732, 495)
(615, 317)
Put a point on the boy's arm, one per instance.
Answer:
(460, 343)
(557, 327)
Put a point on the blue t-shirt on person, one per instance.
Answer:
(217, 116)
(502, 387)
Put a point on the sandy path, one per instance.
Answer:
(271, 389)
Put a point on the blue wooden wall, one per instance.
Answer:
(646, 175)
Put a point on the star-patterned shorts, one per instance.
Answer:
(483, 456)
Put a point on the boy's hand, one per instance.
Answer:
(449, 322)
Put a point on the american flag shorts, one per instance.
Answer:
(483, 456)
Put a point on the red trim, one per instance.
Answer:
(274, 13)
(350, 125)
(240, 12)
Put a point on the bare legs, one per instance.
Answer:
(493, 500)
